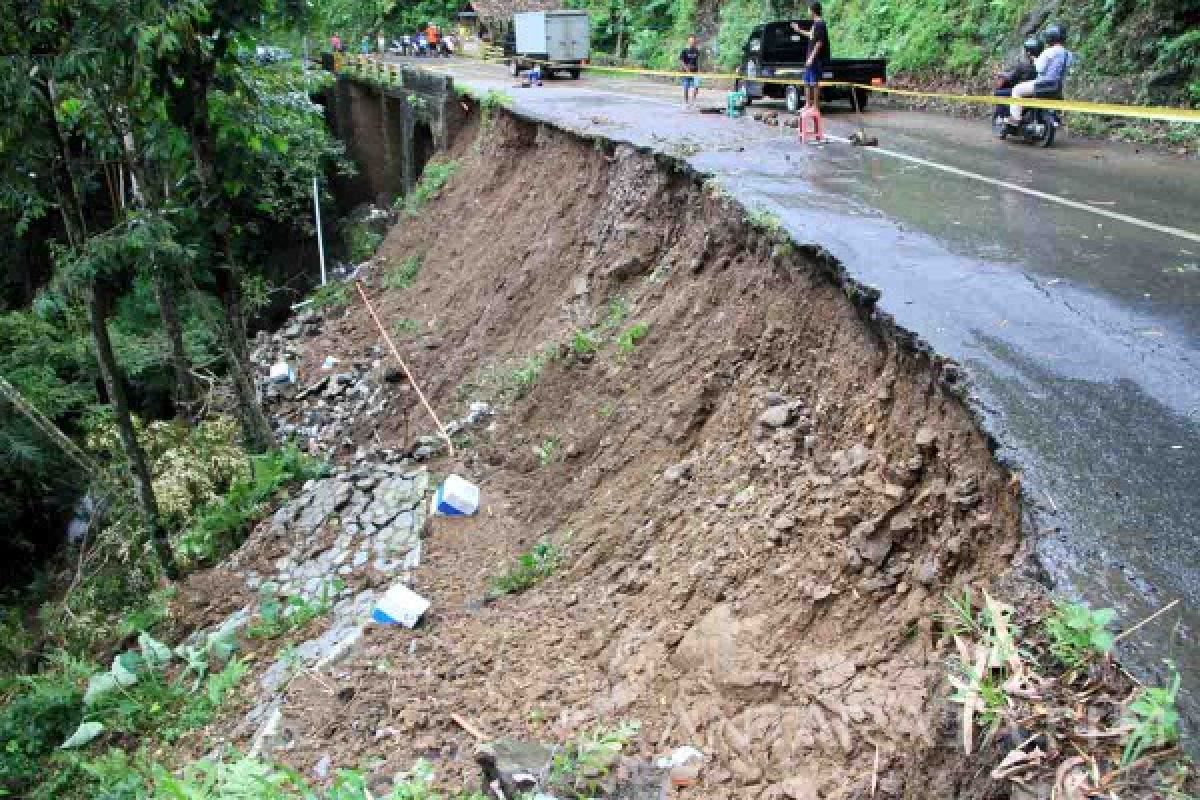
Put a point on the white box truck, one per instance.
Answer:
(559, 40)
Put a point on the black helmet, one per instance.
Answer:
(1033, 46)
(1055, 34)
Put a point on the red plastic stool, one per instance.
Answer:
(815, 130)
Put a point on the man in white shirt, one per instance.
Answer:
(1051, 71)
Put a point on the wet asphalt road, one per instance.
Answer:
(1081, 331)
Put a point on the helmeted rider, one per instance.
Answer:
(1052, 64)
(1022, 70)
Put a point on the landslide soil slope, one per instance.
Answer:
(764, 588)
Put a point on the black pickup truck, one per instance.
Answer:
(778, 51)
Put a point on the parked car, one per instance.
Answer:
(777, 50)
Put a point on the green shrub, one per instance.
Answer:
(220, 526)
(525, 375)
(547, 452)
(331, 295)
(39, 713)
(530, 569)
(278, 615)
(362, 242)
(405, 327)
(434, 177)
(627, 342)
(405, 275)
(1078, 634)
(617, 313)
(584, 343)
(582, 765)
(1155, 719)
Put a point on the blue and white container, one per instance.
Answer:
(456, 497)
(400, 606)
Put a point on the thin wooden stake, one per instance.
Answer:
(875, 772)
(469, 728)
(395, 352)
(1147, 620)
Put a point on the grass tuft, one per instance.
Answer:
(530, 569)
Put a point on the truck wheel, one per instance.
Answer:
(574, 73)
(514, 68)
(861, 96)
(791, 96)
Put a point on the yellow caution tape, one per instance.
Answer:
(1159, 113)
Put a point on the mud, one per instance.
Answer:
(760, 504)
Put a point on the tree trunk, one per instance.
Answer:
(168, 312)
(48, 428)
(76, 224)
(138, 467)
(256, 431)
(146, 198)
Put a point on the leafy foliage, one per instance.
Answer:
(1078, 634)
(434, 177)
(218, 527)
(277, 615)
(1155, 719)
(362, 243)
(583, 764)
(331, 295)
(530, 569)
(548, 450)
(405, 327)
(583, 343)
(405, 275)
(39, 713)
(627, 342)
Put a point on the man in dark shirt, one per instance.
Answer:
(818, 55)
(689, 61)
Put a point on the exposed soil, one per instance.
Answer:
(760, 505)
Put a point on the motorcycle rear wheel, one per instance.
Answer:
(1047, 137)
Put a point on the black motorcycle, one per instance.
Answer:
(1038, 125)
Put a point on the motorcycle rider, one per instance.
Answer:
(1022, 70)
(1051, 66)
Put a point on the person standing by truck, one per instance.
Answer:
(689, 61)
(818, 55)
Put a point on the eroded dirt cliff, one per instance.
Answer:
(761, 491)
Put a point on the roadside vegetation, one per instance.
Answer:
(1071, 722)
(405, 275)
(434, 177)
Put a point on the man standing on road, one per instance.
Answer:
(818, 54)
(689, 61)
